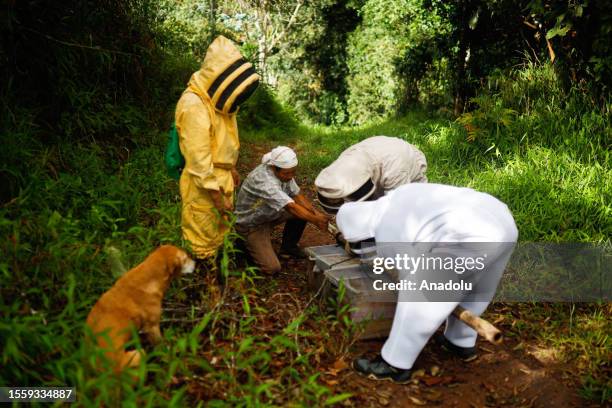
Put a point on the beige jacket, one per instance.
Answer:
(388, 162)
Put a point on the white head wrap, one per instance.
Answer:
(281, 156)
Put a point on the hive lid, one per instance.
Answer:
(331, 256)
(336, 275)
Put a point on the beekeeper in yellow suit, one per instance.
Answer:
(208, 138)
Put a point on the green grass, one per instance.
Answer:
(80, 213)
(553, 195)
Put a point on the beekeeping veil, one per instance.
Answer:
(225, 77)
(346, 179)
(357, 221)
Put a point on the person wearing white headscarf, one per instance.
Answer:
(432, 220)
(282, 157)
(368, 170)
(268, 196)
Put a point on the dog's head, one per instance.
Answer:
(178, 261)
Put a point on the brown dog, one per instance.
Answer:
(134, 303)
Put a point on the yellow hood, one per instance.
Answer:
(225, 78)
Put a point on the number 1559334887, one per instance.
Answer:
(37, 394)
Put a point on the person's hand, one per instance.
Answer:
(340, 241)
(217, 199)
(221, 201)
(223, 204)
(327, 217)
(236, 177)
(321, 222)
(323, 215)
(228, 203)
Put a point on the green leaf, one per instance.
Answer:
(245, 344)
(177, 398)
(245, 305)
(558, 31)
(474, 19)
(337, 398)
(579, 10)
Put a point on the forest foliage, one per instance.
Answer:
(508, 97)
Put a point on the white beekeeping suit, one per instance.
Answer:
(424, 218)
(370, 169)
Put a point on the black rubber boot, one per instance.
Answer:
(292, 233)
(467, 354)
(379, 369)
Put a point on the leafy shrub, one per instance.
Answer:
(389, 53)
(263, 111)
(310, 68)
(530, 108)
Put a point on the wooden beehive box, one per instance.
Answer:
(330, 265)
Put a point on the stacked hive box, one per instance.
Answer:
(330, 264)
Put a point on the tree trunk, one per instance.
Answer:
(262, 56)
(262, 40)
(213, 19)
(460, 85)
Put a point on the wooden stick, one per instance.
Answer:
(482, 327)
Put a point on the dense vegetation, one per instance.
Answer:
(512, 98)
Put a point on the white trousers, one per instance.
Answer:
(416, 321)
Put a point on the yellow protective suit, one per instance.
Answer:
(208, 138)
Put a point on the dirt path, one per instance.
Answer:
(516, 374)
